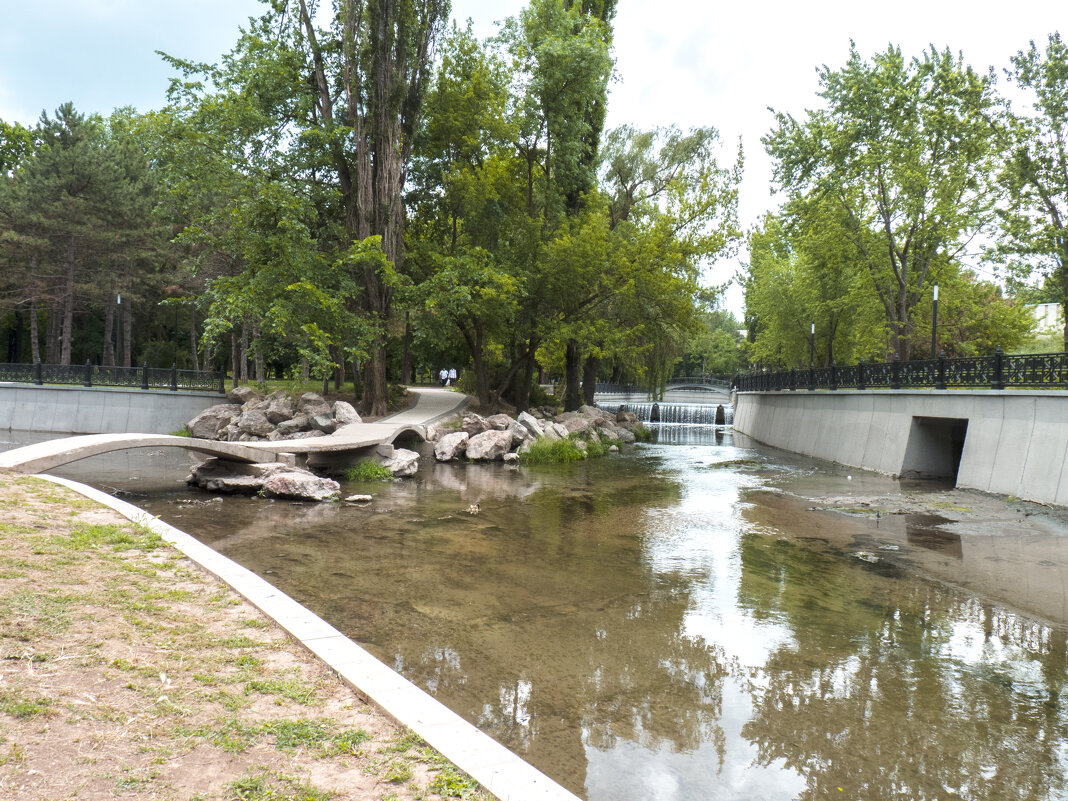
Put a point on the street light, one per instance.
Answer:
(934, 325)
(118, 332)
(812, 348)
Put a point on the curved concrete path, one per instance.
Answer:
(431, 404)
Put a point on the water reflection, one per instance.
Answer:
(677, 624)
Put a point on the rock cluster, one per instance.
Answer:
(271, 479)
(248, 416)
(503, 438)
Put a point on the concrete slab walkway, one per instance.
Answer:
(431, 404)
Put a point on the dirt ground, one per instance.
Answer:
(127, 672)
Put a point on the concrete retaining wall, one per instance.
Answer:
(100, 410)
(1016, 441)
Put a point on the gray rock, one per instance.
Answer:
(433, 433)
(359, 499)
(613, 449)
(312, 404)
(299, 423)
(475, 424)
(324, 423)
(230, 433)
(220, 475)
(305, 435)
(511, 458)
(403, 462)
(489, 446)
(530, 423)
(550, 433)
(610, 434)
(255, 423)
(626, 436)
(577, 425)
(242, 395)
(344, 413)
(499, 422)
(526, 446)
(450, 446)
(626, 417)
(278, 410)
(593, 437)
(563, 417)
(212, 422)
(301, 486)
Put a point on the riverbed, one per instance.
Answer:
(699, 618)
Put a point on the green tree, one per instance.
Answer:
(907, 151)
(1035, 174)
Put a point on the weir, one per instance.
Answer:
(704, 414)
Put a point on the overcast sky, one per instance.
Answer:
(682, 62)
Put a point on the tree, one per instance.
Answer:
(906, 149)
(1035, 173)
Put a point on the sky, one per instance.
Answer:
(678, 62)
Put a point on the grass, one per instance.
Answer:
(367, 470)
(642, 433)
(546, 451)
(182, 432)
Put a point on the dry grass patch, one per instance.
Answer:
(127, 672)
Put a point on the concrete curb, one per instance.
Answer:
(496, 768)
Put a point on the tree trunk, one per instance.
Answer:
(522, 394)
(406, 355)
(589, 378)
(243, 361)
(473, 336)
(339, 368)
(67, 333)
(109, 332)
(375, 400)
(235, 355)
(193, 339)
(261, 376)
(35, 344)
(52, 338)
(572, 370)
(126, 345)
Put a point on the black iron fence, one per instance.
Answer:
(95, 375)
(996, 371)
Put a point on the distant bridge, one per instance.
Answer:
(717, 388)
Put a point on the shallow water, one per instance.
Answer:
(683, 623)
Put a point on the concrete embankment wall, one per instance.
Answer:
(100, 410)
(1006, 442)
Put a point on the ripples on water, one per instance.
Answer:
(672, 625)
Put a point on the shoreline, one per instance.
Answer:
(353, 670)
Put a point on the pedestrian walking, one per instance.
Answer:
(443, 376)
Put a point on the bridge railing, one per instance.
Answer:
(95, 375)
(605, 388)
(995, 371)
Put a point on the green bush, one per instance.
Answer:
(539, 397)
(368, 471)
(552, 451)
(642, 433)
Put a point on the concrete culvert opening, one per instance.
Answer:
(934, 448)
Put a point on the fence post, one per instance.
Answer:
(88, 373)
(144, 376)
(834, 375)
(38, 373)
(174, 377)
(222, 381)
(895, 372)
(999, 366)
(811, 379)
(860, 374)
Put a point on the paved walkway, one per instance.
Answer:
(431, 404)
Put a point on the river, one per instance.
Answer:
(701, 618)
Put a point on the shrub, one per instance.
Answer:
(552, 451)
(367, 470)
(642, 433)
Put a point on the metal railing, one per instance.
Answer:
(605, 388)
(996, 371)
(95, 375)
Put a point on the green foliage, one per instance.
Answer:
(11, 703)
(546, 451)
(900, 163)
(367, 470)
(118, 537)
(642, 433)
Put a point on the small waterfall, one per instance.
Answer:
(703, 414)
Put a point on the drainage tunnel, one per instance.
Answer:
(934, 448)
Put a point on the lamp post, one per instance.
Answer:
(934, 325)
(118, 332)
(812, 348)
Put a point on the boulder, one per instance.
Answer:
(305, 435)
(626, 436)
(433, 433)
(299, 423)
(301, 486)
(221, 475)
(510, 458)
(609, 434)
(359, 499)
(278, 410)
(530, 423)
(499, 422)
(450, 446)
(489, 445)
(550, 433)
(525, 447)
(577, 425)
(403, 462)
(323, 423)
(613, 449)
(242, 395)
(312, 404)
(475, 424)
(344, 413)
(212, 422)
(254, 423)
(626, 417)
(591, 436)
(230, 433)
(591, 412)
